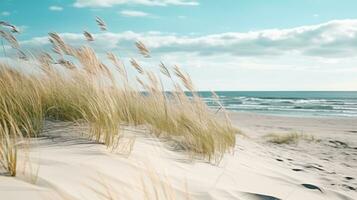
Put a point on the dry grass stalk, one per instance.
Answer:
(142, 49)
(88, 59)
(101, 24)
(55, 48)
(8, 150)
(66, 63)
(164, 70)
(45, 61)
(185, 78)
(12, 27)
(118, 64)
(58, 43)
(10, 38)
(216, 98)
(136, 66)
(22, 55)
(88, 36)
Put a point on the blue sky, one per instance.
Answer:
(224, 45)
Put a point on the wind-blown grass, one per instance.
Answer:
(75, 85)
(9, 137)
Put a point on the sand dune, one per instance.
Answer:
(72, 167)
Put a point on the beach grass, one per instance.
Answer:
(73, 84)
(289, 138)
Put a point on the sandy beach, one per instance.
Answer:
(178, 100)
(65, 165)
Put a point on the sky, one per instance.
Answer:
(223, 45)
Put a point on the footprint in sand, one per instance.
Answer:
(349, 187)
(297, 170)
(345, 164)
(311, 187)
(338, 144)
(314, 167)
(261, 196)
(352, 131)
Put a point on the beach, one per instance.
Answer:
(66, 165)
(178, 100)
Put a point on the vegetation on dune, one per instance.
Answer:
(288, 138)
(75, 85)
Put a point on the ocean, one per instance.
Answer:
(288, 103)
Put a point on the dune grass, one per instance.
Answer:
(73, 84)
(289, 138)
(9, 137)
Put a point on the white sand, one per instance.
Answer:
(73, 168)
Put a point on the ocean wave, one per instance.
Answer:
(329, 106)
(315, 107)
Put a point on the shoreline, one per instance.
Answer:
(293, 115)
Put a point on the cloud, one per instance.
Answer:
(56, 8)
(134, 13)
(5, 13)
(332, 39)
(109, 3)
(303, 58)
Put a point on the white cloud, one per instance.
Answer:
(134, 13)
(333, 39)
(109, 3)
(316, 15)
(303, 58)
(5, 13)
(56, 8)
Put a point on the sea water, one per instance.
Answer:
(295, 103)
